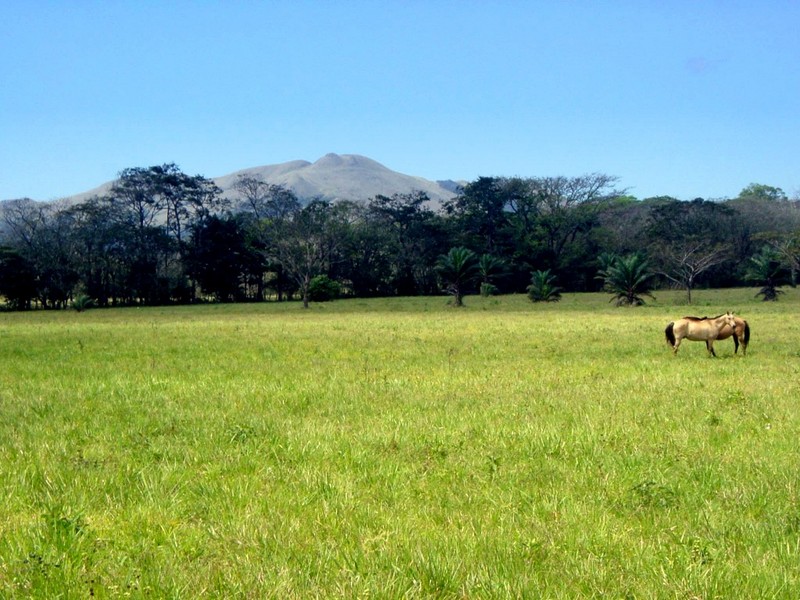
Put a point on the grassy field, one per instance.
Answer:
(400, 449)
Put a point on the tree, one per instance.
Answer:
(568, 206)
(628, 278)
(17, 279)
(306, 244)
(368, 257)
(788, 247)
(411, 237)
(186, 199)
(162, 202)
(41, 234)
(253, 192)
(689, 239)
(480, 214)
(102, 241)
(766, 270)
(263, 212)
(605, 260)
(543, 287)
(621, 226)
(139, 204)
(684, 264)
(490, 269)
(217, 257)
(458, 268)
(265, 200)
(762, 192)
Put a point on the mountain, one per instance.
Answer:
(340, 177)
(332, 177)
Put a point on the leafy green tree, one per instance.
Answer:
(217, 258)
(307, 244)
(458, 268)
(367, 259)
(543, 287)
(629, 279)
(102, 239)
(479, 215)
(264, 211)
(760, 191)
(551, 220)
(621, 226)
(323, 289)
(411, 237)
(568, 207)
(17, 279)
(161, 203)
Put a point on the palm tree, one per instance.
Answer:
(629, 279)
(490, 268)
(457, 269)
(766, 270)
(543, 287)
(605, 261)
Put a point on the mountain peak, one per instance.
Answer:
(331, 177)
(340, 177)
(334, 161)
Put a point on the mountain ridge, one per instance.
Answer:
(331, 177)
(339, 177)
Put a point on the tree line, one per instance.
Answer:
(160, 236)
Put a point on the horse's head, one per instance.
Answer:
(730, 320)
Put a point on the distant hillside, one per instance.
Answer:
(332, 177)
(341, 177)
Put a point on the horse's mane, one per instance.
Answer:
(702, 318)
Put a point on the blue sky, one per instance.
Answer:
(682, 98)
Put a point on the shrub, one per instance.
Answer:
(322, 289)
(628, 278)
(488, 289)
(83, 302)
(543, 287)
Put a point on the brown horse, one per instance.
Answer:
(741, 334)
(698, 329)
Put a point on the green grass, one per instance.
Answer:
(400, 448)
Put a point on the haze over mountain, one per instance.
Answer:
(332, 177)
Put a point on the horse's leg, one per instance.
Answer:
(677, 343)
(710, 346)
(736, 344)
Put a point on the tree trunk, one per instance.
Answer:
(306, 284)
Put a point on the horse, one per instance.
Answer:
(741, 333)
(698, 329)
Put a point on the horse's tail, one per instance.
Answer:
(670, 334)
(746, 333)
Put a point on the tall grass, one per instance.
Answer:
(399, 448)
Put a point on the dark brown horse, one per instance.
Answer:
(698, 329)
(741, 334)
